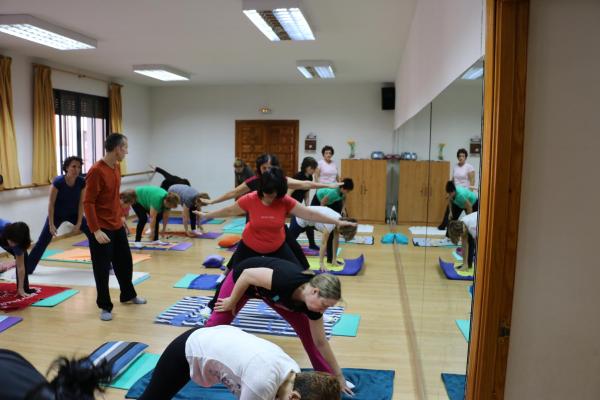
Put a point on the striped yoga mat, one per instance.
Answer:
(255, 317)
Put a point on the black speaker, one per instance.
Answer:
(388, 98)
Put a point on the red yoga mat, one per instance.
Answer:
(10, 301)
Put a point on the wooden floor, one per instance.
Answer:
(383, 342)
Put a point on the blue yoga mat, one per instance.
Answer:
(198, 282)
(450, 272)
(464, 326)
(371, 384)
(455, 385)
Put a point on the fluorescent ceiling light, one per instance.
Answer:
(278, 19)
(316, 69)
(161, 72)
(473, 73)
(33, 29)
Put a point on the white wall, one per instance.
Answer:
(554, 347)
(453, 118)
(194, 127)
(30, 205)
(445, 38)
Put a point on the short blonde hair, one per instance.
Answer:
(329, 286)
(317, 386)
(171, 200)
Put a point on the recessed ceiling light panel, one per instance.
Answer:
(278, 19)
(161, 72)
(319, 69)
(35, 30)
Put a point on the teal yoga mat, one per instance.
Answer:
(347, 325)
(140, 367)
(464, 325)
(184, 282)
(56, 299)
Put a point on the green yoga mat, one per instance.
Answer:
(140, 367)
(56, 299)
(215, 221)
(464, 325)
(347, 325)
(184, 282)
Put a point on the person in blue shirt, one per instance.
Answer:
(65, 205)
(15, 239)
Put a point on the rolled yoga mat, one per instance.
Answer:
(451, 273)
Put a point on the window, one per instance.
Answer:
(81, 126)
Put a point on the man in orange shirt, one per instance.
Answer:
(108, 239)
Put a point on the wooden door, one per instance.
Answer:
(374, 190)
(354, 204)
(439, 171)
(412, 190)
(253, 138)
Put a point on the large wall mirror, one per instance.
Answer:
(438, 190)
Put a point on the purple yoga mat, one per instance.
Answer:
(8, 322)
(450, 272)
(309, 252)
(352, 266)
(179, 247)
(209, 235)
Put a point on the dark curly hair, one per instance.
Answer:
(265, 158)
(68, 162)
(308, 162)
(325, 148)
(76, 379)
(18, 232)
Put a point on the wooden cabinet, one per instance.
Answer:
(422, 191)
(367, 201)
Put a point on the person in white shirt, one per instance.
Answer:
(250, 367)
(465, 230)
(463, 174)
(328, 248)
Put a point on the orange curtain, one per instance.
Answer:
(116, 114)
(44, 129)
(9, 168)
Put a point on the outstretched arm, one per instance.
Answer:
(318, 333)
(229, 211)
(238, 191)
(310, 214)
(306, 185)
(261, 277)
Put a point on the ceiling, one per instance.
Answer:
(214, 42)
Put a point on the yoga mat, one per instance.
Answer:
(427, 230)
(198, 281)
(70, 277)
(471, 290)
(455, 385)
(347, 325)
(457, 256)
(148, 246)
(56, 299)
(451, 273)
(362, 228)
(350, 267)
(140, 367)
(10, 301)
(255, 317)
(358, 239)
(235, 226)
(82, 256)
(204, 221)
(370, 384)
(206, 235)
(6, 322)
(429, 242)
(464, 326)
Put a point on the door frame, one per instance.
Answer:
(502, 160)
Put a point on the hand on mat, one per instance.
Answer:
(224, 305)
(322, 267)
(345, 388)
(24, 294)
(101, 237)
(77, 228)
(52, 229)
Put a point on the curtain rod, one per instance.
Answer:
(79, 74)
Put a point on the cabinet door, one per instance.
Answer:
(412, 191)
(439, 175)
(354, 169)
(374, 190)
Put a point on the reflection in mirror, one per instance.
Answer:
(438, 182)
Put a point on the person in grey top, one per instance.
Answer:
(190, 201)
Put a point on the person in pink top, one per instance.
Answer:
(327, 171)
(463, 174)
(267, 208)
